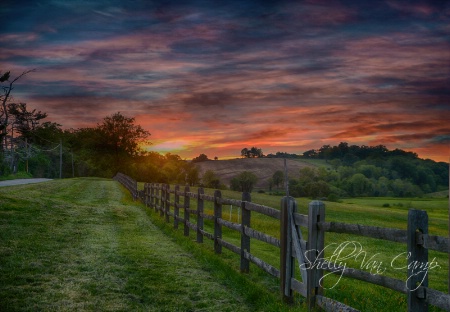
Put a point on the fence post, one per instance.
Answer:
(156, 197)
(286, 260)
(186, 210)
(176, 208)
(217, 225)
(152, 195)
(163, 200)
(200, 206)
(417, 277)
(245, 239)
(167, 206)
(316, 243)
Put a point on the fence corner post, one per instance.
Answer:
(176, 208)
(245, 239)
(417, 278)
(217, 225)
(316, 242)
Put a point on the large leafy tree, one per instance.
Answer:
(121, 138)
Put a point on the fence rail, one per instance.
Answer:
(291, 243)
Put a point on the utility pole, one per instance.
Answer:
(60, 158)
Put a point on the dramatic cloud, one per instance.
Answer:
(213, 78)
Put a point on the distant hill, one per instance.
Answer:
(263, 168)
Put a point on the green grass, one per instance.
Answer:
(81, 244)
(18, 175)
(366, 211)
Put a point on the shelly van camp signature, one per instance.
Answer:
(353, 251)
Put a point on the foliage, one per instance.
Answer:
(243, 182)
(278, 178)
(253, 152)
(210, 179)
(200, 158)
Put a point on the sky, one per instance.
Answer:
(215, 77)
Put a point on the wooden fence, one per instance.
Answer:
(170, 201)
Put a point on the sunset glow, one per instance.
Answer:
(212, 78)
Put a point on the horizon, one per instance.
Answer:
(215, 78)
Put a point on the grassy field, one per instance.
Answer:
(83, 245)
(382, 212)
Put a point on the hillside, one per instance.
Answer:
(263, 168)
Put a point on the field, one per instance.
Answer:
(263, 168)
(82, 244)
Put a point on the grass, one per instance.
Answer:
(81, 244)
(18, 175)
(382, 257)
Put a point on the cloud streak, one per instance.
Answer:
(206, 78)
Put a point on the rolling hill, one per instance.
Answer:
(263, 168)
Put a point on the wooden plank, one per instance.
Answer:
(434, 242)
(208, 217)
(298, 286)
(207, 234)
(438, 298)
(230, 225)
(268, 211)
(377, 279)
(329, 304)
(230, 246)
(394, 235)
(191, 225)
(301, 220)
(262, 237)
(262, 265)
(296, 238)
(228, 201)
(208, 197)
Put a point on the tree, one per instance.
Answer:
(210, 179)
(244, 182)
(200, 158)
(278, 178)
(121, 137)
(4, 108)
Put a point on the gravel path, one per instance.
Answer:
(22, 181)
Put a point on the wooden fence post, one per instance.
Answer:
(152, 196)
(176, 208)
(163, 200)
(315, 242)
(200, 206)
(167, 205)
(186, 211)
(418, 256)
(217, 225)
(245, 239)
(156, 197)
(286, 260)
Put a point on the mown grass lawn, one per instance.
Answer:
(84, 245)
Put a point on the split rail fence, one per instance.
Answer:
(293, 248)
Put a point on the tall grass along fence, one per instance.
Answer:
(294, 249)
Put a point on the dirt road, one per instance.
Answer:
(22, 181)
